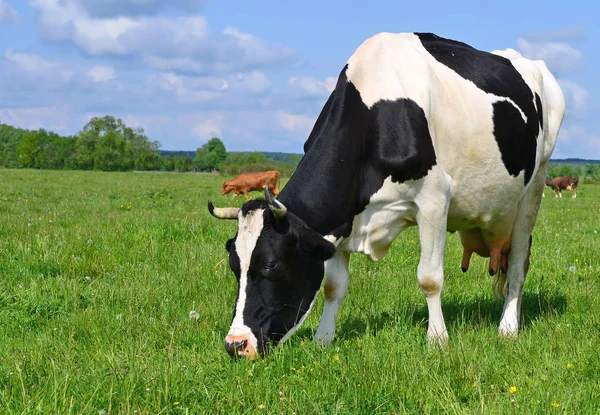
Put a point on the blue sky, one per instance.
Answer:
(256, 73)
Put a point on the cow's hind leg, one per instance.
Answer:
(336, 285)
(518, 258)
(431, 219)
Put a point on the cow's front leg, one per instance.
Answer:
(336, 285)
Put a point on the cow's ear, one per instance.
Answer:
(314, 245)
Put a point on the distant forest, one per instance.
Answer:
(108, 144)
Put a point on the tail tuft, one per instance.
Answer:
(499, 285)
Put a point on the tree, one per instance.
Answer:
(106, 143)
(168, 163)
(210, 155)
(563, 170)
(184, 163)
(28, 150)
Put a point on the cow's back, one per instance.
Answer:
(492, 118)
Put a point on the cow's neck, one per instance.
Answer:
(325, 189)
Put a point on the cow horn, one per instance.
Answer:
(278, 209)
(223, 213)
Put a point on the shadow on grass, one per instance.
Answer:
(480, 311)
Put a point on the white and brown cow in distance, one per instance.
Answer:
(247, 182)
(419, 130)
(558, 184)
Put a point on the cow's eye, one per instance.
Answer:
(270, 268)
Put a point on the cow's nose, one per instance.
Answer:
(239, 345)
(236, 348)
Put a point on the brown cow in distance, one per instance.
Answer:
(558, 184)
(247, 182)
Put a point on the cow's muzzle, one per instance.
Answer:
(239, 345)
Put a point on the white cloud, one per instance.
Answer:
(109, 8)
(30, 62)
(312, 88)
(199, 89)
(188, 89)
(575, 33)
(167, 42)
(254, 81)
(577, 98)
(52, 118)
(559, 56)
(101, 73)
(211, 127)
(575, 141)
(150, 123)
(293, 122)
(7, 13)
(35, 66)
(240, 130)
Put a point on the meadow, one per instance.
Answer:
(115, 297)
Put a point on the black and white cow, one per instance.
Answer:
(420, 130)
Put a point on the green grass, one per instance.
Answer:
(99, 271)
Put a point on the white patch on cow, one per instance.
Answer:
(250, 227)
(333, 239)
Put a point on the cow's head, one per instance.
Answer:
(278, 262)
(226, 188)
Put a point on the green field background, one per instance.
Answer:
(99, 273)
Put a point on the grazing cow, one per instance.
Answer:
(247, 182)
(558, 184)
(419, 130)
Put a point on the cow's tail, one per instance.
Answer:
(499, 285)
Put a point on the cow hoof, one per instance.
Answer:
(508, 331)
(323, 340)
(437, 340)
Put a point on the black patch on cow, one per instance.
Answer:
(540, 110)
(508, 124)
(253, 205)
(495, 75)
(351, 150)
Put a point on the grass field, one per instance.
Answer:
(115, 297)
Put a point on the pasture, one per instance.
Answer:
(115, 297)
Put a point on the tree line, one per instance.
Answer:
(108, 144)
(588, 171)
